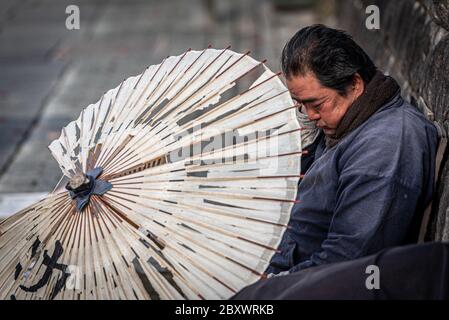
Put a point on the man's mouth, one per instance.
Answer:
(327, 130)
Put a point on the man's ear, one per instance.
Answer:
(358, 85)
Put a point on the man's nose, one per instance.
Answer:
(313, 115)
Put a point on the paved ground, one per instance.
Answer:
(48, 73)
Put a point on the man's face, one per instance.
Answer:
(323, 105)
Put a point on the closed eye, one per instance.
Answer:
(315, 108)
(318, 107)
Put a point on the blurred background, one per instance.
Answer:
(48, 73)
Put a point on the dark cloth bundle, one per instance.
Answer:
(405, 273)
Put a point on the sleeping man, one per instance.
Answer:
(370, 171)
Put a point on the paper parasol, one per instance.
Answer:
(179, 186)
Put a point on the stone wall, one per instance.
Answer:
(413, 46)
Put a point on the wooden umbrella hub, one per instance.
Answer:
(81, 186)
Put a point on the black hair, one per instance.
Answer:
(332, 55)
